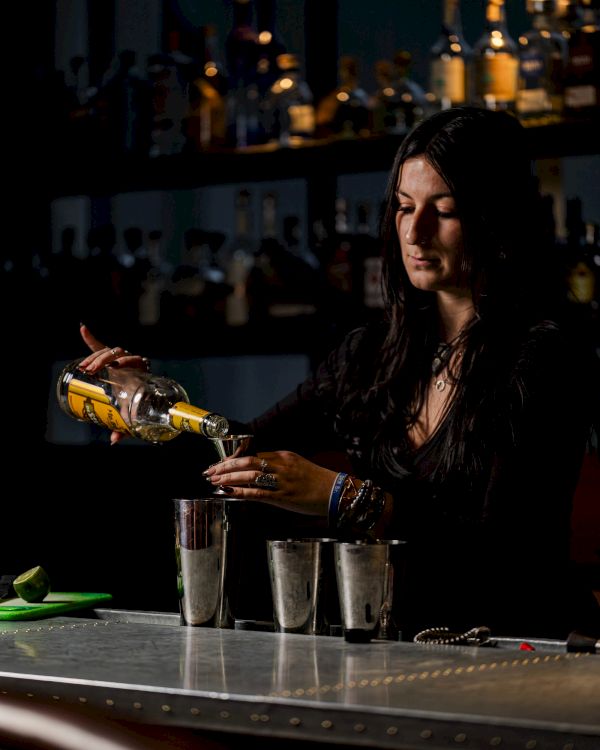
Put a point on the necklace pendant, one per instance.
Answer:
(440, 384)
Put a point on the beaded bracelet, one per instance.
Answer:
(362, 511)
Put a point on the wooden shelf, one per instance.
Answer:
(107, 175)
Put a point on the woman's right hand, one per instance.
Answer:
(102, 356)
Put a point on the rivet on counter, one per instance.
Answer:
(165, 707)
(530, 744)
(568, 746)
(426, 734)
(195, 711)
(460, 737)
(137, 704)
(29, 695)
(81, 699)
(495, 741)
(224, 714)
(56, 697)
(265, 718)
(254, 717)
(392, 731)
(327, 724)
(359, 727)
(295, 721)
(110, 702)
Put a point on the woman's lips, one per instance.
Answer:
(421, 262)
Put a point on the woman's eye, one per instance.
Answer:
(405, 209)
(446, 214)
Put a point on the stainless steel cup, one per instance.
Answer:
(204, 549)
(295, 572)
(366, 573)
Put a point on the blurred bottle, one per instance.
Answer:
(413, 99)
(346, 111)
(496, 61)
(82, 125)
(367, 266)
(270, 45)
(387, 107)
(168, 75)
(237, 260)
(581, 273)
(450, 61)
(243, 121)
(205, 124)
(542, 61)
(582, 77)
(154, 283)
(121, 107)
(289, 112)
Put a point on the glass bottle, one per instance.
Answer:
(237, 260)
(288, 109)
(449, 61)
(346, 111)
(582, 76)
(496, 62)
(413, 99)
(270, 44)
(206, 121)
(542, 60)
(134, 402)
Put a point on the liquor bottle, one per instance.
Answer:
(345, 111)
(582, 75)
(581, 275)
(367, 266)
(269, 45)
(204, 126)
(289, 113)
(237, 260)
(496, 62)
(134, 402)
(412, 96)
(449, 61)
(122, 105)
(243, 121)
(542, 61)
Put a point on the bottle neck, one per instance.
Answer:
(451, 20)
(495, 16)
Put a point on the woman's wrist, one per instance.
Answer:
(358, 506)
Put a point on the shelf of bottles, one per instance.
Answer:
(191, 120)
(206, 118)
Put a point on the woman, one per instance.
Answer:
(463, 417)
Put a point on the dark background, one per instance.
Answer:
(99, 518)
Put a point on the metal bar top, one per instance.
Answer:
(147, 667)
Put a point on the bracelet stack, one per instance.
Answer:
(353, 508)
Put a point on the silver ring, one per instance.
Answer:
(263, 465)
(146, 362)
(114, 351)
(266, 481)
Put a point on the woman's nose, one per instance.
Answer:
(416, 231)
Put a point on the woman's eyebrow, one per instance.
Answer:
(435, 196)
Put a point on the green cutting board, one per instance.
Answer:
(55, 603)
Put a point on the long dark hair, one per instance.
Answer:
(482, 155)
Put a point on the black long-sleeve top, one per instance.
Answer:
(485, 548)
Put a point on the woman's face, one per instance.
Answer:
(429, 230)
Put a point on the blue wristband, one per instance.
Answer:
(334, 498)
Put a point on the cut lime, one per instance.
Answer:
(32, 585)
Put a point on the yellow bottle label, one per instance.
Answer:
(498, 77)
(448, 79)
(92, 408)
(187, 418)
(582, 284)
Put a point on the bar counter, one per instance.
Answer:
(145, 668)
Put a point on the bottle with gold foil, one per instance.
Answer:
(449, 61)
(496, 61)
(134, 402)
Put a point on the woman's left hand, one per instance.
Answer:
(280, 478)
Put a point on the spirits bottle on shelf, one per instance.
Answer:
(134, 402)
(205, 124)
(346, 111)
(582, 76)
(270, 45)
(449, 61)
(237, 260)
(413, 99)
(542, 61)
(289, 112)
(495, 61)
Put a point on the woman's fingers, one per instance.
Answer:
(103, 355)
(90, 339)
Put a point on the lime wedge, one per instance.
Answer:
(32, 585)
